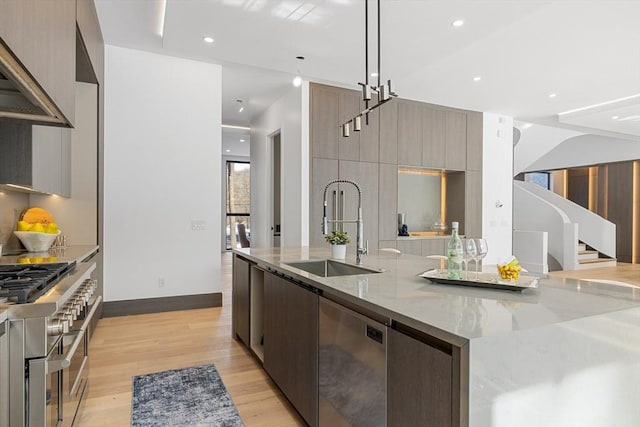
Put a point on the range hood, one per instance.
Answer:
(20, 95)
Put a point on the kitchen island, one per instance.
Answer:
(565, 354)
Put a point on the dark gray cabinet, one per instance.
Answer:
(37, 157)
(291, 343)
(42, 35)
(240, 315)
(419, 383)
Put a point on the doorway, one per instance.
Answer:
(237, 201)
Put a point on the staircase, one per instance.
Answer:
(589, 258)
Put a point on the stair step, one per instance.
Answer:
(585, 255)
(590, 261)
(582, 247)
(596, 263)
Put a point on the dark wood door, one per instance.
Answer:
(419, 383)
(291, 343)
(240, 295)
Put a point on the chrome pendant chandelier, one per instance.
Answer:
(383, 90)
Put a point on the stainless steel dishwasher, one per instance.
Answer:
(352, 368)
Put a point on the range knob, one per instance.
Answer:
(56, 327)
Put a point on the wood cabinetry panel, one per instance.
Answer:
(473, 204)
(240, 295)
(322, 172)
(366, 176)
(455, 140)
(433, 137)
(409, 133)
(389, 133)
(388, 203)
(474, 141)
(370, 136)
(434, 247)
(348, 107)
(42, 35)
(324, 122)
(291, 343)
(419, 383)
(413, 247)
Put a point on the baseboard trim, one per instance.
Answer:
(158, 305)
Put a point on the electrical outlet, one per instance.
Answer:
(198, 224)
(162, 282)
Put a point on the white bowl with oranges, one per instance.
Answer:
(37, 232)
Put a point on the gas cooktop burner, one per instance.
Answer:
(26, 283)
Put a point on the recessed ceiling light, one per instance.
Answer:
(458, 23)
(242, 140)
(208, 39)
(552, 95)
(615, 117)
(526, 125)
(477, 78)
(227, 151)
(374, 74)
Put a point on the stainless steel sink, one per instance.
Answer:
(330, 268)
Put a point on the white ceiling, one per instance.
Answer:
(586, 52)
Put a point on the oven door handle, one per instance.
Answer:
(59, 362)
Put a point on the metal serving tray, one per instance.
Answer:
(485, 280)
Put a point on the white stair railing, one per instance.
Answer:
(534, 213)
(595, 231)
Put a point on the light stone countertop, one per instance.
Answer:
(454, 313)
(69, 254)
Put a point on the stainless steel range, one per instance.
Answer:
(50, 307)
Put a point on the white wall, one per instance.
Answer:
(285, 115)
(497, 186)
(77, 216)
(162, 170)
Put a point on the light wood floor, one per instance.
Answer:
(628, 273)
(123, 347)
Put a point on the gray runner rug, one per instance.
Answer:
(192, 396)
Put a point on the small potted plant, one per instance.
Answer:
(339, 240)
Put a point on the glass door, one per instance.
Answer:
(238, 202)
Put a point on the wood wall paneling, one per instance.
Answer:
(322, 172)
(389, 133)
(578, 186)
(434, 246)
(369, 136)
(456, 201)
(474, 141)
(473, 204)
(433, 137)
(324, 122)
(348, 107)
(388, 203)
(409, 133)
(620, 203)
(601, 205)
(413, 247)
(455, 140)
(366, 176)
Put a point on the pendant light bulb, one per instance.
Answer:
(357, 123)
(297, 80)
